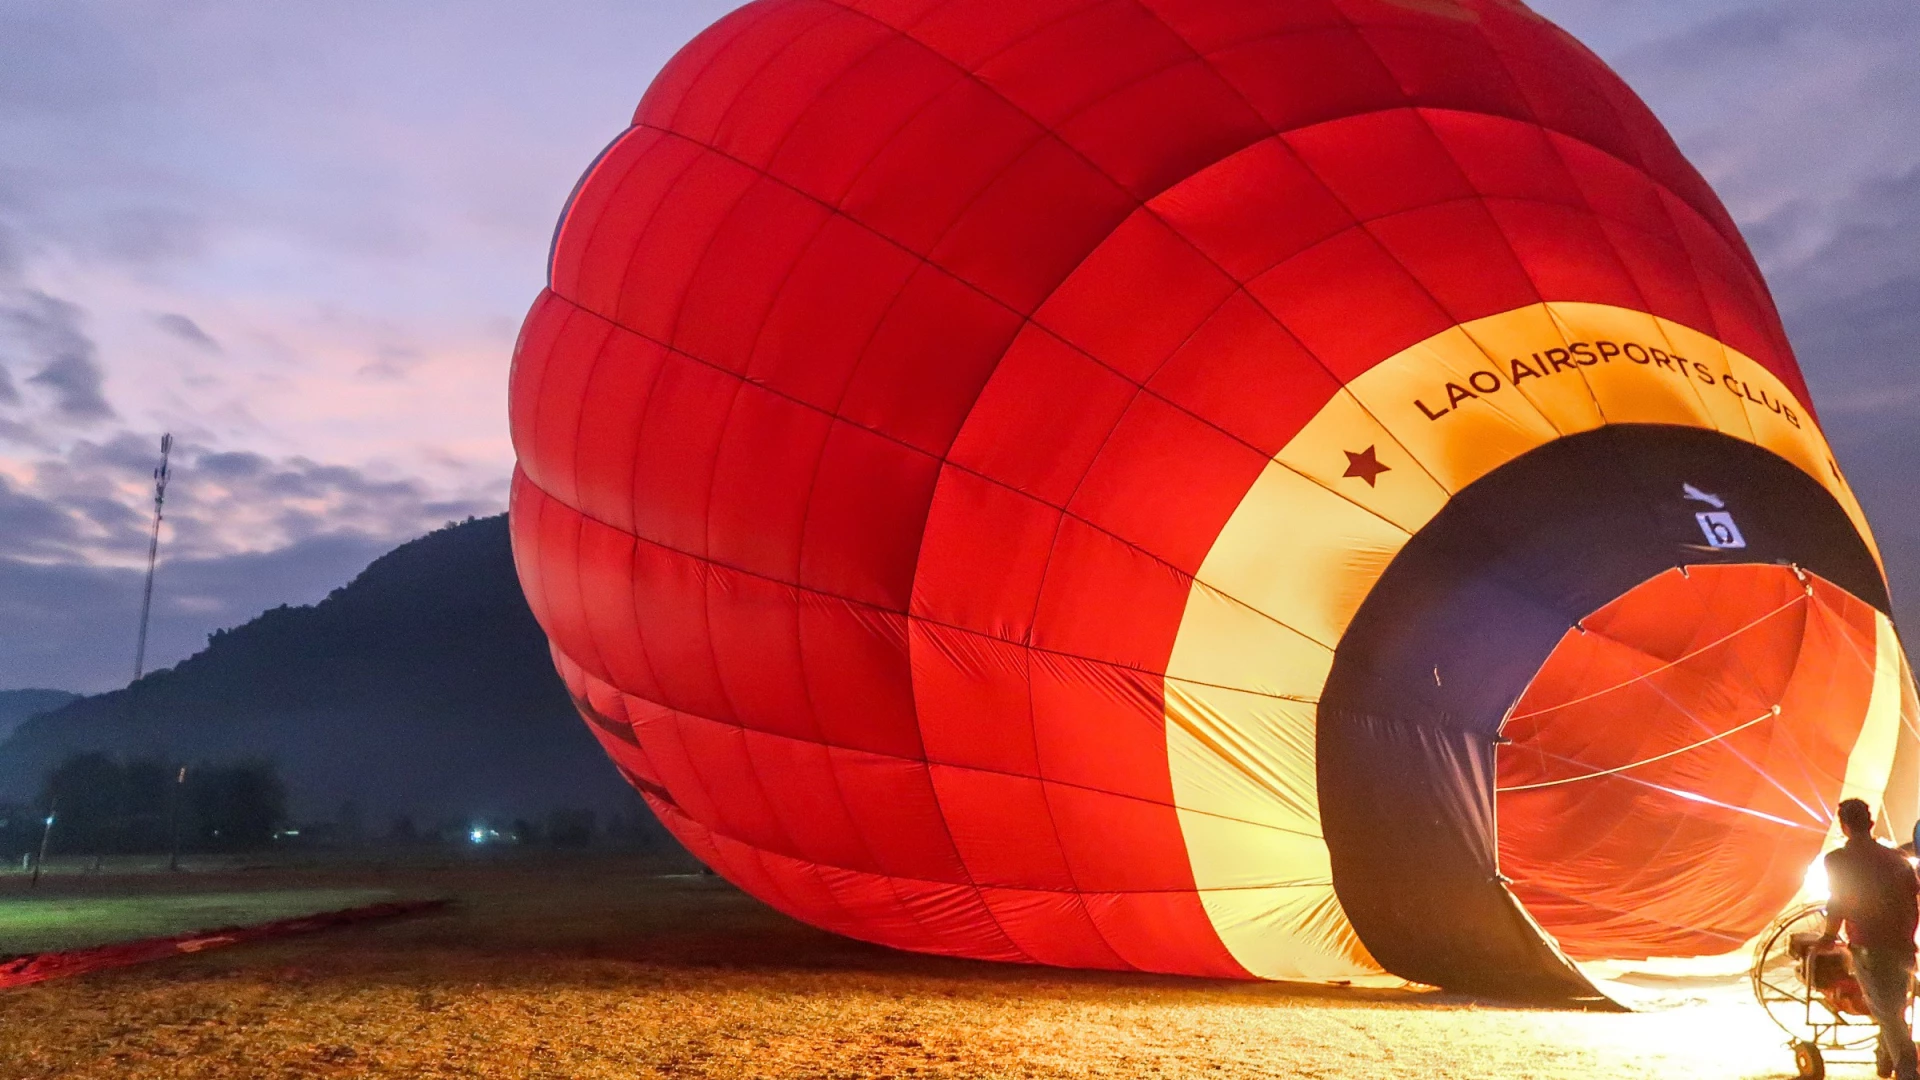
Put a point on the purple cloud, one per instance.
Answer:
(186, 330)
(47, 329)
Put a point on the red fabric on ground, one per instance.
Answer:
(39, 967)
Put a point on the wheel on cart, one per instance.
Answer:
(1807, 1059)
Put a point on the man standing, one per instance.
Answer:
(1873, 892)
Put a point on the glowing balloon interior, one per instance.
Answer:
(1295, 489)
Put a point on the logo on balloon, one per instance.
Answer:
(1721, 533)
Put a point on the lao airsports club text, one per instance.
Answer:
(1578, 354)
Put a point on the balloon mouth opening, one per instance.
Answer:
(1513, 712)
(1663, 783)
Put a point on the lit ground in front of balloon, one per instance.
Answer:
(600, 967)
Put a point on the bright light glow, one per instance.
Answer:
(1814, 886)
(478, 835)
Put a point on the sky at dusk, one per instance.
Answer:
(301, 237)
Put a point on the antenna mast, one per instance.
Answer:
(153, 554)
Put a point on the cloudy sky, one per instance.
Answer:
(300, 236)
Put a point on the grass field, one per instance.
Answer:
(45, 923)
(601, 967)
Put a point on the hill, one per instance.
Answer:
(422, 687)
(17, 706)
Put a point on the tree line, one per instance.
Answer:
(103, 806)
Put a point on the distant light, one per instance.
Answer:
(1814, 886)
(478, 835)
(49, 819)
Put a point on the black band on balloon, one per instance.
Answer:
(1457, 627)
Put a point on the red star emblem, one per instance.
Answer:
(1365, 465)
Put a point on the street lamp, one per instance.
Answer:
(46, 833)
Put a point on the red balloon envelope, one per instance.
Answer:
(1301, 489)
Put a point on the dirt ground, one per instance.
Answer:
(607, 967)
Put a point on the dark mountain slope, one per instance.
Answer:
(19, 705)
(422, 687)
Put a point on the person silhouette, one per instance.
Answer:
(1874, 895)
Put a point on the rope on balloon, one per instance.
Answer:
(1675, 662)
(1736, 729)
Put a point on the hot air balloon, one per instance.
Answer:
(1290, 489)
